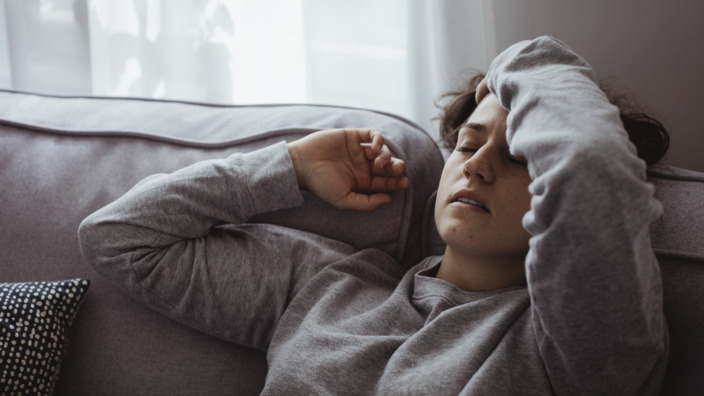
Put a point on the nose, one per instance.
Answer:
(480, 166)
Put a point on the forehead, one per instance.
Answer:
(488, 118)
(489, 110)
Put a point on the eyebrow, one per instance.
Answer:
(476, 126)
(473, 126)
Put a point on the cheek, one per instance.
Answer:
(443, 191)
(438, 212)
(445, 224)
(452, 230)
(451, 172)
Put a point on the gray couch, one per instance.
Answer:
(62, 158)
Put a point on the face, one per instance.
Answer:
(483, 192)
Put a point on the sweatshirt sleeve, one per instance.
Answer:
(177, 243)
(593, 279)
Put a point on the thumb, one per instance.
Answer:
(481, 91)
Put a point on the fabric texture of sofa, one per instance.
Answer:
(62, 158)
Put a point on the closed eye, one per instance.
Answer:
(466, 150)
(517, 160)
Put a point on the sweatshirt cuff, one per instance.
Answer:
(272, 179)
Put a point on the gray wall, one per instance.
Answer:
(655, 48)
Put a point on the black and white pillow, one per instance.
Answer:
(34, 320)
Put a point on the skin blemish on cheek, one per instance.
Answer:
(455, 229)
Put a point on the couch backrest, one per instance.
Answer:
(678, 241)
(63, 158)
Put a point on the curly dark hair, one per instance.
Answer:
(648, 135)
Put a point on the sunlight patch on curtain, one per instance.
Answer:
(392, 55)
(218, 51)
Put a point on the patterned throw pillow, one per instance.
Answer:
(34, 320)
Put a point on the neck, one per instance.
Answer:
(475, 273)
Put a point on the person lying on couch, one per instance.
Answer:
(548, 283)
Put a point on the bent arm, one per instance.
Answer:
(593, 279)
(167, 242)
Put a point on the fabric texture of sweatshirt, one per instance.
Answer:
(334, 320)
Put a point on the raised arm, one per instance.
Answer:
(177, 241)
(593, 279)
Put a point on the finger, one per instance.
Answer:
(390, 166)
(386, 184)
(386, 164)
(382, 160)
(364, 202)
(370, 138)
(398, 167)
(370, 153)
(377, 141)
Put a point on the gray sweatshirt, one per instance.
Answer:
(338, 321)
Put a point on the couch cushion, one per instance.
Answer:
(35, 318)
(678, 241)
(63, 158)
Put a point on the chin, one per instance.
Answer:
(458, 234)
(475, 239)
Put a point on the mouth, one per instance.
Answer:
(468, 198)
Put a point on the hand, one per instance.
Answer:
(348, 168)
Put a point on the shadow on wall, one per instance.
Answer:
(141, 51)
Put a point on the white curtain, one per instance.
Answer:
(391, 55)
